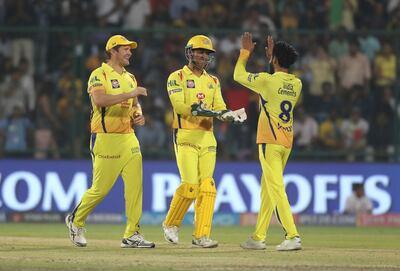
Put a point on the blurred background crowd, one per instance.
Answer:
(349, 109)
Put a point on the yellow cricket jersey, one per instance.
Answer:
(184, 89)
(278, 93)
(115, 118)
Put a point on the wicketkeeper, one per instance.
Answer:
(196, 99)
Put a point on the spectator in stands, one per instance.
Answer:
(354, 69)
(305, 130)
(13, 94)
(17, 130)
(19, 13)
(339, 46)
(27, 84)
(136, 13)
(358, 202)
(323, 69)
(330, 134)
(385, 68)
(369, 44)
(328, 102)
(46, 125)
(355, 130)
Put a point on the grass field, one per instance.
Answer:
(47, 247)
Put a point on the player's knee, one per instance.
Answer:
(208, 186)
(188, 190)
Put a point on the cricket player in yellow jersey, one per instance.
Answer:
(196, 98)
(278, 92)
(114, 147)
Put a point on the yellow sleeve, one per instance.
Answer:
(176, 95)
(219, 103)
(254, 81)
(96, 81)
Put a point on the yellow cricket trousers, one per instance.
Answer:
(114, 155)
(273, 159)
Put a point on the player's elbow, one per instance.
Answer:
(98, 101)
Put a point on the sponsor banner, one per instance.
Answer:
(250, 219)
(392, 220)
(312, 188)
(340, 220)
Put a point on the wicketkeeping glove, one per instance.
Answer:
(237, 116)
(200, 110)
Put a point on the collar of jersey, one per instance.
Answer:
(284, 74)
(189, 71)
(107, 68)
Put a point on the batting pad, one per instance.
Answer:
(204, 208)
(181, 201)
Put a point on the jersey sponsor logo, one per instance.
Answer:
(175, 90)
(135, 150)
(287, 129)
(287, 89)
(97, 85)
(200, 96)
(107, 156)
(210, 86)
(252, 77)
(125, 104)
(190, 84)
(114, 83)
(172, 83)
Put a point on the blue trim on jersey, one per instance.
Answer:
(264, 147)
(103, 115)
(179, 121)
(263, 102)
(92, 141)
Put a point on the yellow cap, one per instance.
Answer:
(119, 40)
(200, 42)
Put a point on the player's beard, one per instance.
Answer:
(200, 65)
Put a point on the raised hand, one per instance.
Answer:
(247, 42)
(269, 48)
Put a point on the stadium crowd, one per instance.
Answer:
(348, 66)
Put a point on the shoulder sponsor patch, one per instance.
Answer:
(175, 90)
(172, 83)
(252, 77)
(190, 84)
(94, 79)
(114, 83)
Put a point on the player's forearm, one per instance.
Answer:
(182, 108)
(104, 100)
(239, 74)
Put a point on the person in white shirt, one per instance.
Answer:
(358, 203)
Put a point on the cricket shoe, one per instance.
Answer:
(76, 235)
(136, 241)
(290, 244)
(204, 242)
(171, 234)
(253, 244)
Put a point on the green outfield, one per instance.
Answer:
(47, 247)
